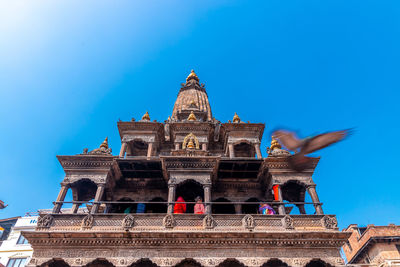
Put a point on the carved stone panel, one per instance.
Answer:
(208, 222)
(128, 222)
(169, 221)
(248, 222)
(329, 222)
(287, 222)
(87, 222)
(45, 222)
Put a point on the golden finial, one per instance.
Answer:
(274, 143)
(236, 118)
(192, 117)
(105, 143)
(146, 117)
(192, 75)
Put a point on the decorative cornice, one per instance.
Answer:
(86, 162)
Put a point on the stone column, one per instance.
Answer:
(281, 209)
(60, 198)
(204, 146)
(98, 197)
(176, 146)
(150, 150)
(258, 151)
(238, 208)
(171, 195)
(314, 196)
(231, 151)
(75, 207)
(207, 198)
(123, 149)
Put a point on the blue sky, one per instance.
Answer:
(70, 69)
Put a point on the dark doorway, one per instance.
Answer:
(157, 207)
(189, 190)
(225, 208)
(123, 207)
(251, 208)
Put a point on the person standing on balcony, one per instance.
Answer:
(266, 209)
(180, 206)
(199, 206)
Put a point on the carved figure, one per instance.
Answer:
(248, 222)
(329, 222)
(190, 141)
(168, 221)
(287, 222)
(128, 222)
(208, 222)
(87, 222)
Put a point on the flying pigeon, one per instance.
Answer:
(2, 206)
(305, 146)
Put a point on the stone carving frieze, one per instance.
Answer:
(45, 222)
(96, 178)
(287, 222)
(145, 138)
(236, 140)
(128, 222)
(164, 262)
(329, 222)
(248, 222)
(209, 262)
(87, 221)
(181, 177)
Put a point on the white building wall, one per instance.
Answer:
(9, 249)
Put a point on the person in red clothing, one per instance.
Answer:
(199, 207)
(180, 206)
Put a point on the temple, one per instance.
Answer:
(131, 198)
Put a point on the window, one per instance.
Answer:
(16, 262)
(22, 240)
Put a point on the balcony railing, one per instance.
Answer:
(149, 222)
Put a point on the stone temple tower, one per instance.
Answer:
(125, 210)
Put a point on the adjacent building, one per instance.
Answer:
(131, 198)
(15, 251)
(376, 245)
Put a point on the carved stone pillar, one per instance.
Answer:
(204, 147)
(171, 195)
(231, 151)
(150, 150)
(258, 151)
(207, 198)
(281, 209)
(75, 207)
(314, 196)
(98, 197)
(238, 208)
(176, 146)
(60, 198)
(123, 150)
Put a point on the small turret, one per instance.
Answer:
(236, 118)
(146, 116)
(191, 76)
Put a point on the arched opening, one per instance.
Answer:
(244, 149)
(251, 208)
(123, 207)
(188, 263)
(225, 208)
(275, 263)
(144, 263)
(55, 263)
(189, 190)
(82, 190)
(157, 207)
(100, 263)
(294, 191)
(137, 148)
(318, 263)
(231, 263)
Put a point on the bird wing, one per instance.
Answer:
(323, 140)
(288, 139)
